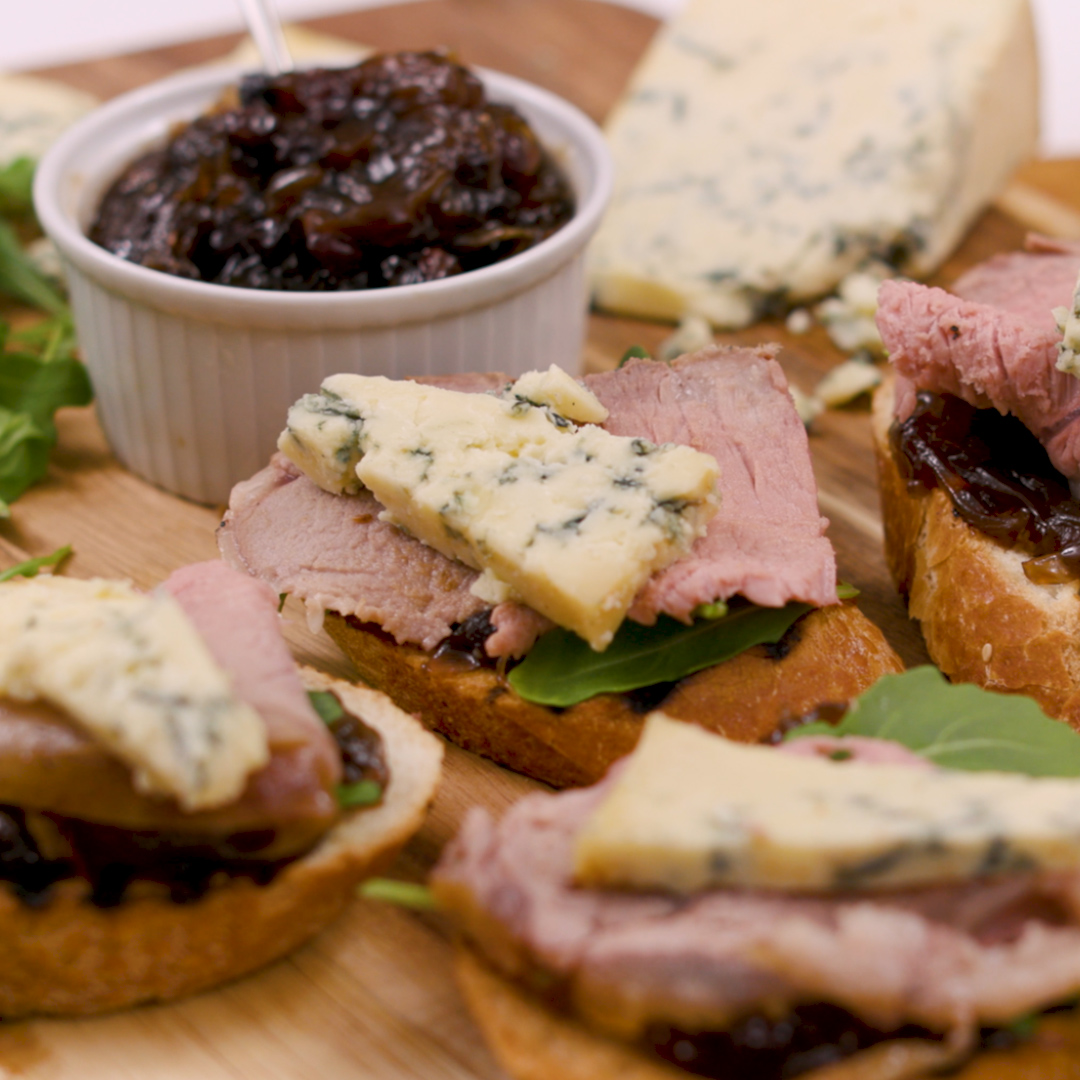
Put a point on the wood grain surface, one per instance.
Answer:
(373, 995)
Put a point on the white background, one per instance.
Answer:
(40, 33)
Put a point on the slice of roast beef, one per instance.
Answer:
(236, 616)
(1024, 283)
(948, 958)
(767, 542)
(988, 356)
(334, 553)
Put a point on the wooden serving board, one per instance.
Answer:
(373, 996)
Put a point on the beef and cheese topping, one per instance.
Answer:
(693, 811)
(570, 520)
(132, 671)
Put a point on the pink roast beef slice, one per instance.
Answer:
(1024, 283)
(516, 629)
(334, 553)
(945, 957)
(237, 617)
(989, 357)
(767, 541)
(855, 748)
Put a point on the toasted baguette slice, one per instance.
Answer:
(69, 957)
(836, 653)
(983, 621)
(532, 1042)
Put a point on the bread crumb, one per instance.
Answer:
(987, 652)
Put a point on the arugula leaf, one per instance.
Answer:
(562, 670)
(16, 187)
(716, 610)
(360, 793)
(24, 453)
(48, 339)
(21, 279)
(38, 386)
(638, 351)
(39, 371)
(326, 705)
(37, 377)
(30, 567)
(403, 893)
(959, 727)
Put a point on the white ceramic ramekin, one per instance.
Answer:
(193, 380)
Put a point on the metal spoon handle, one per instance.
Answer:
(262, 21)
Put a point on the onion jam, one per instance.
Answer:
(392, 172)
(758, 1048)
(762, 1047)
(998, 477)
(809, 1037)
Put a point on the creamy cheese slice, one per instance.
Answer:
(691, 810)
(768, 148)
(132, 671)
(570, 520)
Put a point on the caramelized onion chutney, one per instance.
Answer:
(392, 172)
(997, 476)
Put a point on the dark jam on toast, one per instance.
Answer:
(998, 477)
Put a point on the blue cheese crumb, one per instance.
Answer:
(1068, 322)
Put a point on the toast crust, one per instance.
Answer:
(532, 1042)
(838, 654)
(69, 957)
(982, 620)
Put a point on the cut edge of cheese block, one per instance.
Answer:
(989, 136)
(1006, 114)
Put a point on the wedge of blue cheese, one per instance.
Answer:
(568, 519)
(691, 811)
(131, 670)
(34, 113)
(765, 150)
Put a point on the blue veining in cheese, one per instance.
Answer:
(766, 149)
(569, 519)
